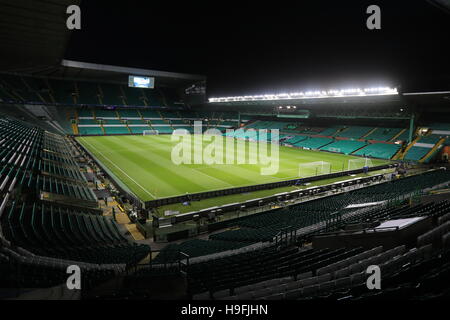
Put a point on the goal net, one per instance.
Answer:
(354, 164)
(316, 168)
(150, 132)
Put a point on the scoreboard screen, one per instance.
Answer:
(141, 82)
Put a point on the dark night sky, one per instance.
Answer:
(260, 47)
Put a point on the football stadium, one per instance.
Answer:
(153, 188)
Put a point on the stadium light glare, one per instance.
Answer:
(375, 91)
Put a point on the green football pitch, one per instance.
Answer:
(144, 165)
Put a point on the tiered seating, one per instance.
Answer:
(135, 121)
(354, 132)
(159, 122)
(36, 162)
(403, 137)
(313, 143)
(337, 274)
(311, 216)
(383, 134)
(104, 113)
(85, 113)
(18, 89)
(330, 131)
(87, 93)
(128, 113)
(438, 210)
(150, 114)
(62, 91)
(294, 139)
(344, 146)
(139, 130)
(416, 153)
(303, 129)
(430, 139)
(25, 270)
(90, 130)
(153, 98)
(133, 96)
(116, 130)
(47, 213)
(268, 125)
(111, 94)
(196, 248)
(434, 235)
(72, 92)
(73, 234)
(379, 150)
(415, 277)
(88, 121)
(407, 274)
(179, 123)
(112, 121)
(169, 115)
(58, 170)
(162, 128)
(239, 272)
(169, 95)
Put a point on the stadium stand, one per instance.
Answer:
(383, 134)
(313, 143)
(334, 274)
(16, 88)
(344, 146)
(243, 263)
(110, 94)
(92, 130)
(378, 150)
(416, 153)
(48, 209)
(354, 132)
(311, 216)
(330, 131)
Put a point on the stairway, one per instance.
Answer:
(353, 152)
(397, 135)
(402, 155)
(166, 120)
(75, 129)
(432, 150)
(369, 133)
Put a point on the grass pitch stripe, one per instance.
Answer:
(105, 157)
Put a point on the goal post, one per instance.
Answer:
(354, 164)
(316, 168)
(150, 132)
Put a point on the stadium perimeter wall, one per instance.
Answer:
(264, 186)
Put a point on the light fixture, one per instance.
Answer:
(351, 92)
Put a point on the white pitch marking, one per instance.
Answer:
(145, 190)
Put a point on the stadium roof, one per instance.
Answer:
(84, 70)
(99, 70)
(34, 40)
(430, 100)
(33, 34)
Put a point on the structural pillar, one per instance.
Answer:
(411, 128)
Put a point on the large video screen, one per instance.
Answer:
(141, 82)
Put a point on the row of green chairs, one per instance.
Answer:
(71, 234)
